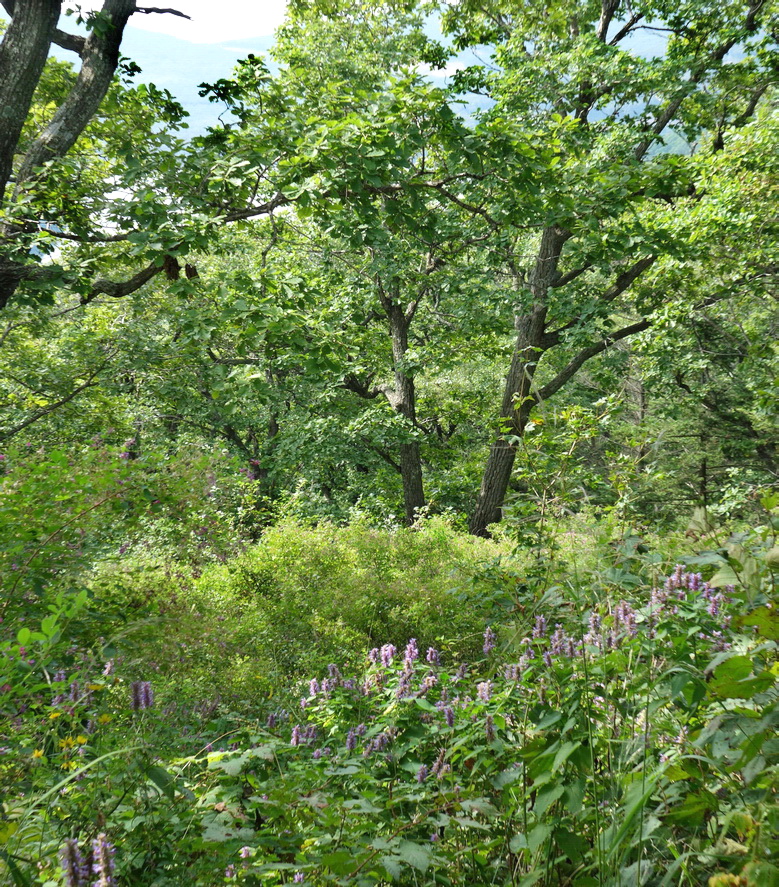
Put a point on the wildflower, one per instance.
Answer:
(489, 728)
(147, 695)
(490, 639)
(404, 686)
(76, 872)
(512, 672)
(412, 651)
(422, 773)
(230, 871)
(558, 640)
(539, 630)
(361, 730)
(108, 668)
(484, 691)
(271, 723)
(304, 703)
(142, 695)
(317, 754)
(298, 878)
(434, 837)
(295, 737)
(373, 655)
(433, 656)
(387, 654)
(245, 852)
(103, 861)
(428, 683)
(439, 763)
(547, 657)
(313, 687)
(461, 672)
(351, 740)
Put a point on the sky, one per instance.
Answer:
(226, 20)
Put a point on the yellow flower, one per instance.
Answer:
(97, 687)
(54, 714)
(37, 753)
(104, 719)
(81, 739)
(67, 743)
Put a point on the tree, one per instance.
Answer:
(598, 227)
(35, 154)
(578, 184)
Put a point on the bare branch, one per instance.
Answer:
(120, 289)
(71, 42)
(146, 10)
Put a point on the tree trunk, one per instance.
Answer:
(518, 396)
(518, 402)
(23, 53)
(402, 397)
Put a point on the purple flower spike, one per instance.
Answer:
(351, 740)
(484, 691)
(103, 862)
(296, 735)
(387, 654)
(142, 695)
(490, 639)
(412, 651)
(449, 715)
(489, 729)
(72, 864)
(433, 656)
(298, 878)
(539, 631)
(422, 773)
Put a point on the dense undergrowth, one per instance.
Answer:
(361, 706)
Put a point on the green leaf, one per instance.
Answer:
(764, 619)
(415, 855)
(164, 781)
(693, 809)
(517, 843)
(546, 798)
(537, 837)
(393, 867)
(726, 575)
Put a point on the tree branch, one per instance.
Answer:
(567, 373)
(146, 10)
(90, 383)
